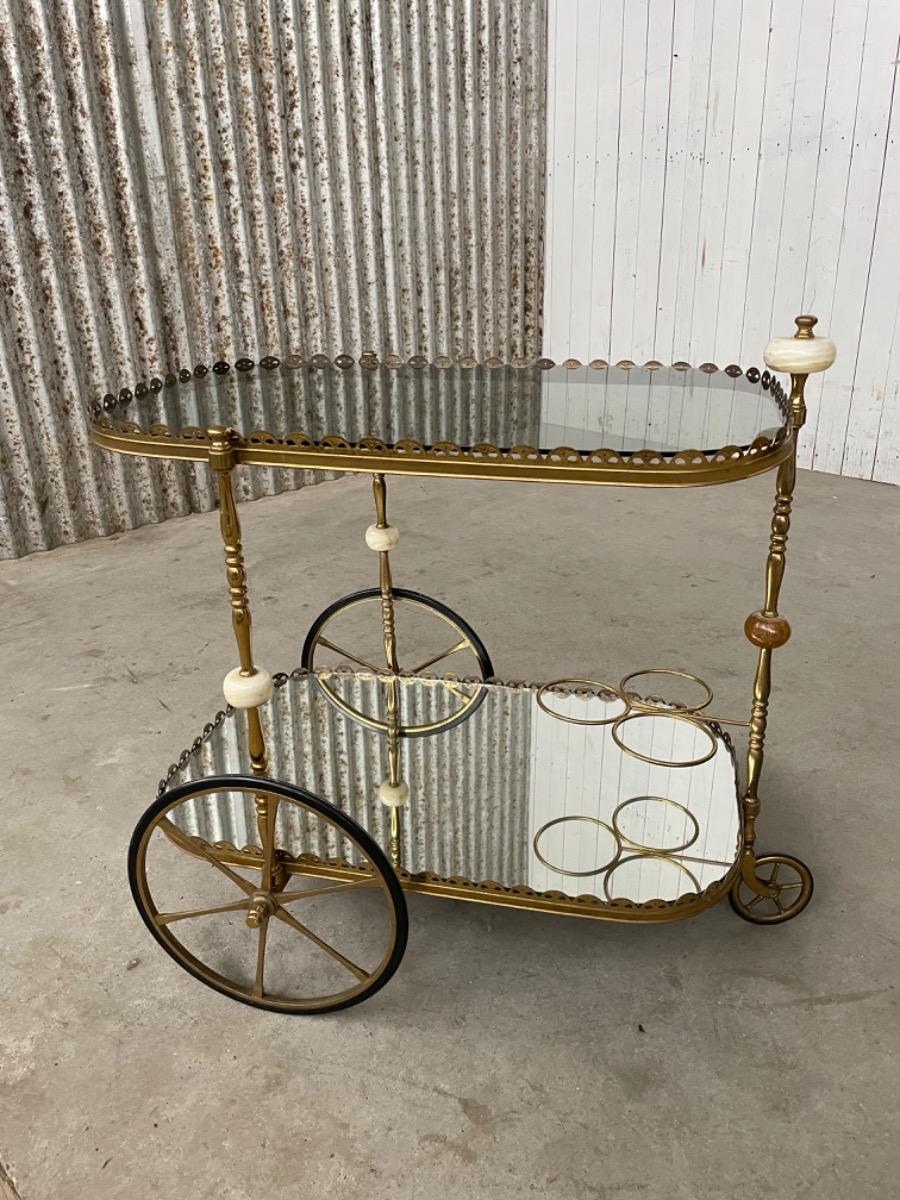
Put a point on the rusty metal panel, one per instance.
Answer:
(185, 180)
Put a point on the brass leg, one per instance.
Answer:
(767, 630)
(394, 781)
(222, 462)
(379, 536)
(382, 537)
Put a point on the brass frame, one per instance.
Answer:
(691, 468)
(458, 887)
(223, 449)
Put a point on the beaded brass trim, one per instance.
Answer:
(296, 449)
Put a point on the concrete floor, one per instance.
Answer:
(512, 1053)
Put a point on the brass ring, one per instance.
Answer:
(559, 821)
(607, 891)
(624, 839)
(648, 706)
(662, 714)
(597, 683)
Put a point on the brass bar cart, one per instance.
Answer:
(274, 861)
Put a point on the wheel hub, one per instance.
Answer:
(261, 905)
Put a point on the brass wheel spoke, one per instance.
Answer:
(305, 894)
(773, 878)
(346, 653)
(193, 847)
(756, 899)
(429, 662)
(291, 920)
(168, 918)
(777, 899)
(261, 957)
(789, 887)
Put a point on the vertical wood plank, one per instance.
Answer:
(728, 164)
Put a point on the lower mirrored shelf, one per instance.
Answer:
(567, 800)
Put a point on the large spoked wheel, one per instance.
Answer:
(789, 884)
(310, 920)
(356, 621)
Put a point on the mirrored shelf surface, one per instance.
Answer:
(513, 801)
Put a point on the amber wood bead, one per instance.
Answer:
(767, 631)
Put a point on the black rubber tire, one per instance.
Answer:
(321, 807)
(484, 659)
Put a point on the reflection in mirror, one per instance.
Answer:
(512, 794)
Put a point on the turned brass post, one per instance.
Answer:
(221, 459)
(389, 630)
(388, 621)
(766, 628)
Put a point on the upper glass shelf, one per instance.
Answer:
(597, 423)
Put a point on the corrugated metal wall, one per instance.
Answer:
(185, 180)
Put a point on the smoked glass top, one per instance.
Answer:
(617, 408)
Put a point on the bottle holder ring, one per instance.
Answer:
(635, 707)
(645, 855)
(591, 821)
(604, 691)
(664, 715)
(632, 844)
(636, 702)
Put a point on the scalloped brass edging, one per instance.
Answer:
(690, 468)
(648, 468)
(488, 891)
(370, 359)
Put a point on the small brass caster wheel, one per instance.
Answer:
(790, 888)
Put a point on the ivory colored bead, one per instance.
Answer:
(247, 691)
(394, 795)
(382, 539)
(800, 356)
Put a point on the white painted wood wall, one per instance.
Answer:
(716, 167)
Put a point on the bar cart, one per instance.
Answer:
(274, 861)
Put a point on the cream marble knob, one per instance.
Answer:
(394, 795)
(248, 691)
(382, 538)
(802, 354)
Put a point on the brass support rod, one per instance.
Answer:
(395, 837)
(379, 487)
(221, 459)
(389, 631)
(393, 732)
(781, 524)
(388, 622)
(769, 630)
